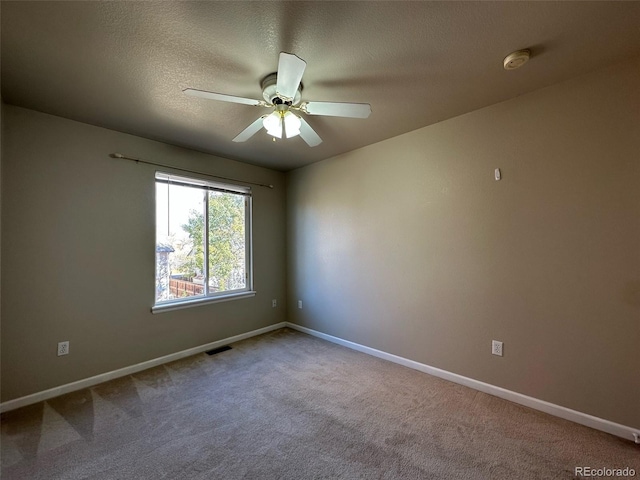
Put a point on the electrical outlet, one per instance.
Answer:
(496, 348)
(274, 303)
(63, 348)
(299, 303)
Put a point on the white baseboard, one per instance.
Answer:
(613, 428)
(121, 372)
(550, 408)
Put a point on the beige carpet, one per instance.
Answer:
(289, 406)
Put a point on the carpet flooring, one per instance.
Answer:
(286, 405)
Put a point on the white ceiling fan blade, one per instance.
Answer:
(250, 131)
(331, 109)
(220, 96)
(308, 134)
(290, 71)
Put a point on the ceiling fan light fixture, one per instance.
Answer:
(282, 91)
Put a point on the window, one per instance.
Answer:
(203, 241)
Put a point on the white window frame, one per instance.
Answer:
(209, 297)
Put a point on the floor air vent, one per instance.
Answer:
(218, 350)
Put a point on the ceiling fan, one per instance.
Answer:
(282, 91)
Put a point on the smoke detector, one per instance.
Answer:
(516, 59)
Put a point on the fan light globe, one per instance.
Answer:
(291, 125)
(273, 124)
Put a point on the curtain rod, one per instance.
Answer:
(138, 160)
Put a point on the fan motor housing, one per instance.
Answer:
(269, 85)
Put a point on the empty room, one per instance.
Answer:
(315, 240)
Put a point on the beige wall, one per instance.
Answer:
(410, 246)
(78, 240)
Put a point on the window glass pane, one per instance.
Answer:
(227, 242)
(179, 242)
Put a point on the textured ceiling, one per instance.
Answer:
(123, 65)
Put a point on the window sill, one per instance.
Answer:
(167, 307)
